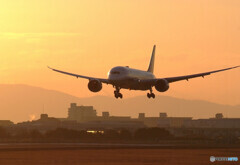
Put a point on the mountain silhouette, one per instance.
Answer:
(23, 102)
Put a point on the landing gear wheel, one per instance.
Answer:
(120, 95)
(117, 94)
(151, 95)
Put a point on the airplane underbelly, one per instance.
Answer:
(133, 85)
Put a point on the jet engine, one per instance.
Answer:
(94, 85)
(161, 85)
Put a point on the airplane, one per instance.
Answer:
(124, 77)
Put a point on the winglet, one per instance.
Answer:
(151, 64)
(50, 67)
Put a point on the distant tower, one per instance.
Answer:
(81, 113)
(163, 115)
(105, 114)
(141, 116)
(44, 116)
(219, 116)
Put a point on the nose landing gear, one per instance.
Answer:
(151, 95)
(117, 94)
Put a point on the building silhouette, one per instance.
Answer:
(86, 118)
(81, 113)
(163, 120)
(5, 123)
(218, 122)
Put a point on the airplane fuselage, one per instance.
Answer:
(129, 78)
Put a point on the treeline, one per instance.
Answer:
(69, 135)
(143, 135)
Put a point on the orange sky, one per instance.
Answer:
(91, 36)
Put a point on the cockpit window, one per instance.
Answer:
(115, 72)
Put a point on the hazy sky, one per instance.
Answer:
(91, 36)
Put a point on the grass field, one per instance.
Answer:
(72, 154)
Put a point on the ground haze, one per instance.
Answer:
(23, 102)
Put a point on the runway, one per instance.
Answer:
(107, 154)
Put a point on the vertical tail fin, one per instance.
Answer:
(151, 64)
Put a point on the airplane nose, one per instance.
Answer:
(111, 77)
(114, 77)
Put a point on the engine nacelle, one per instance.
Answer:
(162, 85)
(94, 85)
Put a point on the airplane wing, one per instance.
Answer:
(179, 78)
(186, 77)
(81, 76)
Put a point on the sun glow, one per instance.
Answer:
(90, 37)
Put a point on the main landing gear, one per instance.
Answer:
(117, 94)
(149, 95)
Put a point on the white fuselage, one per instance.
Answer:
(128, 78)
